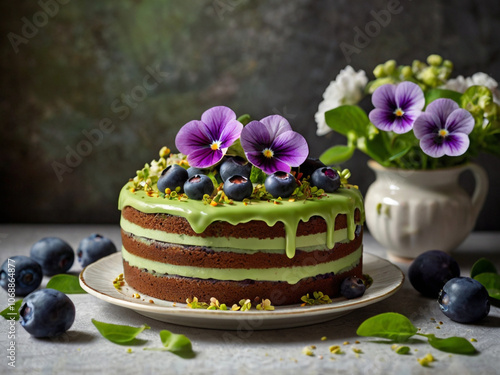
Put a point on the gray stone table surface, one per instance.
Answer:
(83, 351)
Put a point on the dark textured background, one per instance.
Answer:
(88, 58)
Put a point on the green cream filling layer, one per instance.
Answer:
(290, 275)
(199, 215)
(245, 245)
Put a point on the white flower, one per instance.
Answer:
(348, 88)
(456, 84)
(461, 84)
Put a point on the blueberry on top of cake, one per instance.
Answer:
(240, 213)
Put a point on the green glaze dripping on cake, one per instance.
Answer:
(312, 242)
(199, 215)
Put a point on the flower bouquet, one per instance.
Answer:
(422, 132)
(421, 118)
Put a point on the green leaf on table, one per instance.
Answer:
(456, 345)
(12, 311)
(337, 154)
(175, 343)
(69, 284)
(491, 281)
(482, 265)
(391, 326)
(117, 333)
(348, 118)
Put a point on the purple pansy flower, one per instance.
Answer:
(397, 106)
(444, 128)
(271, 145)
(205, 142)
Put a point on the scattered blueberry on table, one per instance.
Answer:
(27, 274)
(47, 313)
(464, 300)
(431, 270)
(93, 248)
(53, 254)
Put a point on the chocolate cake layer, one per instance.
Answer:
(178, 289)
(204, 257)
(253, 229)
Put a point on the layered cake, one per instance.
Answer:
(260, 247)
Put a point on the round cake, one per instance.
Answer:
(264, 246)
(175, 250)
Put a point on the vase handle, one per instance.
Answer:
(481, 189)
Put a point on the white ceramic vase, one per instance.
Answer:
(412, 211)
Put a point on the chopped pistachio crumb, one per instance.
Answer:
(368, 280)
(425, 361)
(323, 338)
(129, 350)
(265, 305)
(402, 350)
(438, 327)
(307, 350)
(356, 342)
(473, 340)
(195, 304)
(357, 350)
(118, 282)
(136, 295)
(245, 304)
(346, 343)
(318, 298)
(335, 349)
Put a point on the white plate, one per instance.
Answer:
(97, 279)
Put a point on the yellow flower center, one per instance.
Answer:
(268, 153)
(443, 132)
(399, 112)
(215, 145)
